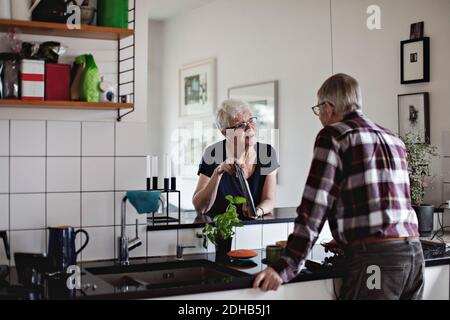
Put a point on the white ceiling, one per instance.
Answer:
(164, 9)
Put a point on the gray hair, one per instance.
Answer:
(342, 91)
(230, 109)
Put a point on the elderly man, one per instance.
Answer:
(358, 181)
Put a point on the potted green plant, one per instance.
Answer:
(420, 156)
(221, 231)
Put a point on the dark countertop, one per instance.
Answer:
(191, 219)
(238, 277)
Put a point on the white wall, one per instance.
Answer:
(290, 40)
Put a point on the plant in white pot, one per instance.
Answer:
(221, 231)
(420, 156)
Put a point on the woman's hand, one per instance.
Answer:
(228, 167)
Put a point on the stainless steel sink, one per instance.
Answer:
(167, 274)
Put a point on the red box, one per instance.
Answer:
(57, 82)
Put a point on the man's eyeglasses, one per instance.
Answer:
(316, 108)
(244, 124)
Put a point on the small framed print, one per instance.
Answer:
(415, 60)
(414, 115)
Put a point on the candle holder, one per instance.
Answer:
(149, 187)
(166, 184)
(173, 183)
(155, 183)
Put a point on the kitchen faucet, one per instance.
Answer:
(125, 245)
(180, 251)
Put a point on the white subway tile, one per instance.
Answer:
(131, 139)
(140, 251)
(27, 138)
(30, 241)
(97, 209)
(249, 237)
(27, 175)
(4, 212)
(63, 174)
(131, 173)
(98, 139)
(188, 237)
(27, 211)
(162, 243)
(4, 175)
(63, 209)
(98, 174)
(100, 245)
(131, 213)
(63, 138)
(4, 138)
(273, 232)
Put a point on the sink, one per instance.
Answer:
(167, 274)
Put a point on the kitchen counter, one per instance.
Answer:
(191, 219)
(241, 277)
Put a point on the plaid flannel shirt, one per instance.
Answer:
(359, 181)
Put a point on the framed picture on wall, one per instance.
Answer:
(414, 115)
(415, 60)
(263, 99)
(198, 88)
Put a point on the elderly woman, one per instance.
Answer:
(217, 176)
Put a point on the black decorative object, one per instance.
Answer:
(155, 183)
(415, 60)
(173, 183)
(149, 184)
(416, 30)
(166, 184)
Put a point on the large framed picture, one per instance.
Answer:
(198, 88)
(414, 115)
(263, 99)
(415, 60)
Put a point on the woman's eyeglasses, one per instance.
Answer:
(244, 124)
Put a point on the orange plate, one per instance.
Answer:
(242, 254)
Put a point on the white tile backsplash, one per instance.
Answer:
(131, 173)
(100, 245)
(188, 237)
(27, 211)
(273, 232)
(27, 138)
(97, 209)
(98, 174)
(131, 213)
(30, 241)
(63, 138)
(249, 237)
(4, 175)
(4, 138)
(162, 243)
(140, 251)
(98, 139)
(27, 175)
(63, 174)
(131, 139)
(63, 209)
(4, 212)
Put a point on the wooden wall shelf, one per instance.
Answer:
(65, 105)
(61, 30)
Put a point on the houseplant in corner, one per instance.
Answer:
(420, 156)
(221, 231)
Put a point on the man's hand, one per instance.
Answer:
(333, 247)
(267, 279)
